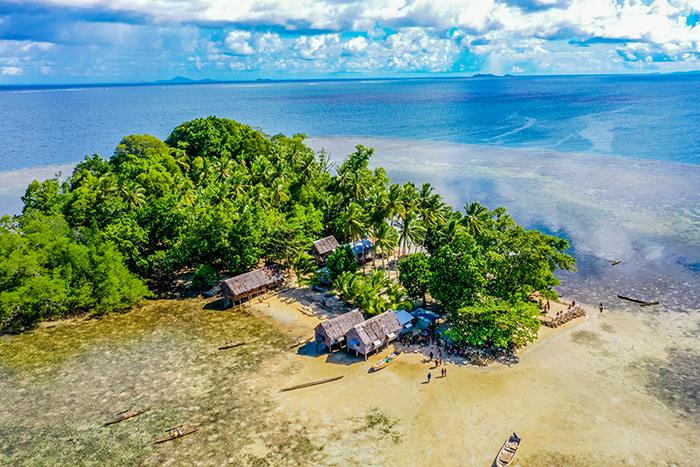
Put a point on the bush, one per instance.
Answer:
(204, 278)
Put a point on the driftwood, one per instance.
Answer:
(313, 383)
(565, 317)
(637, 300)
(230, 345)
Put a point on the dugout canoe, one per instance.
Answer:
(508, 451)
(637, 300)
(386, 361)
(127, 414)
(616, 262)
(230, 345)
(313, 383)
(177, 432)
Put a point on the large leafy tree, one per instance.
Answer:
(458, 273)
(414, 275)
(495, 323)
(340, 261)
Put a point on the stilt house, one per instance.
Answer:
(321, 249)
(252, 283)
(372, 334)
(333, 331)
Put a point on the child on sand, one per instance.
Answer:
(429, 377)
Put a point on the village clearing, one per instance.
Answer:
(584, 395)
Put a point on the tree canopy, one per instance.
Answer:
(221, 196)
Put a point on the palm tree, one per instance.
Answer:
(279, 196)
(386, 238)
(471, 221)
(133, 194)
(410, 231)
(353, 224)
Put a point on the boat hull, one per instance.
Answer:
(386, 361)
(508, 451)
(185, 432)
(127, 416)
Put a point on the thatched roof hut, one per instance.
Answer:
(321, 249)
(374, 333)
(333, 330)
(251, 283)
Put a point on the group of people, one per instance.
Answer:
(443, 373)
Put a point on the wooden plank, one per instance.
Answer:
(313, 383)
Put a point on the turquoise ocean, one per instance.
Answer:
(612, 163)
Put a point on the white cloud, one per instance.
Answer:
(237, 41)
(356, 45)
(268, 43)
(317, 47)
(517, 69)
(11, 70)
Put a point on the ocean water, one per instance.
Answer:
(653, 117)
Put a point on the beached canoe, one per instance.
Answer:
(616, 262)
(649, 304)
(386, 361)
(637, 300)
(230, 345)
(312, 383)
(508, 451)
(175, 433)
(127, 414)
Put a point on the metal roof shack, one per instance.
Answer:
(373, 333)
(321, 249)
(425, 317)
(333, 331)
(405, 320)
(360, 246)
(251, 283)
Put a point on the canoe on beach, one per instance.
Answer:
(508, 451)
(313, 383)
(386, 361)
(127, 414)
(177, 432)
(230, 345)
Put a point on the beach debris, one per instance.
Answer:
(637, 300)
(313, 383)
(127, 414)
(231, 344)
(177, 432)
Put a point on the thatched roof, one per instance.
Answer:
(336, 328)
(378, 328)
(325, 245)
(252, 280)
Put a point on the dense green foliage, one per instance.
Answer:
(222, 194)
(498, 323)
(342, 260)
(374, 293)
(47, 269)
(414, 275)
(204, 277)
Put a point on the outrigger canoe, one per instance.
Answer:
(177, 432)
(126, 415)
(230, 345)
(508, 451)
(386, 361)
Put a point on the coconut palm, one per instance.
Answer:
(133, 194)
(410, 232)
(386, 239)
(474, 211)
(353, 224)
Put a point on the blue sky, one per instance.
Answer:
(108, 41)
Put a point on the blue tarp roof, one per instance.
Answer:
(357, 246)
(425, 315)
(403, 316)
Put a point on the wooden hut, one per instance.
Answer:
(252, 283)
(366, 337)
(333, 331)
(321, 249)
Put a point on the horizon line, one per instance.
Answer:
(180, 80)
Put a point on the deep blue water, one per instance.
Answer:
(652, 117)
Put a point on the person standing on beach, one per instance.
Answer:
(429, 377)
(431, 354)
(601, 307)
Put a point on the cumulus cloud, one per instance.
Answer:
(365, 36)
(237, 41)
(11, 70)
